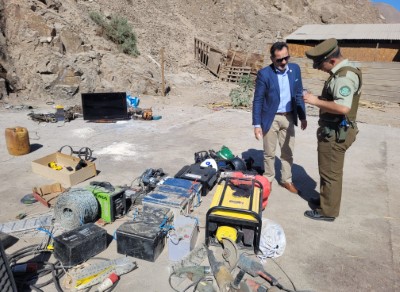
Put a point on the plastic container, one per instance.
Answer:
(60, 113)
(17, 140)
(183, 239)
(132, 101)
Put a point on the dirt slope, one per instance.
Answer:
(52, 50)
(388, 12)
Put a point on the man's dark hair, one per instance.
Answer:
(335, 54)
(277, 47)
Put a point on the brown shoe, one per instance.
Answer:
(290, 187)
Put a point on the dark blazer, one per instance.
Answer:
(267, 96)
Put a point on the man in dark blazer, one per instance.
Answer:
(278, 102)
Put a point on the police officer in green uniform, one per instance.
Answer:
(337, 130)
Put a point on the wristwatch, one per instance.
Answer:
(262, 288)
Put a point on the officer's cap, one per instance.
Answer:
(322, 51)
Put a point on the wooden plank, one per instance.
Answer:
(380, 68)
(214, 62)
(162, 72)
(373, 65)
(359, 52)
(234, 74)
(370, 54)
(233, 58)
(245, 59)
(378, 65)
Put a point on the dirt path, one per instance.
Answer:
(125, 149)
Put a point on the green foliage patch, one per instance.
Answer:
(118, 30)
(243, 95)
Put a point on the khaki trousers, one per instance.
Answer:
(330, 163)
(282, 131)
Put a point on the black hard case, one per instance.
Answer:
(80, 244)
(207, 176)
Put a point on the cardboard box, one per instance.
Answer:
(47, 194)
(64, 176)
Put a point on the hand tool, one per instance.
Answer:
(220, 272)
(253, 268)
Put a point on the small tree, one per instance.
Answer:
(242, 96)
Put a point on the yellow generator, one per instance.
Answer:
(235, 213)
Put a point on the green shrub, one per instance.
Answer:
(118, 31)
(243, 95)
(97, 18)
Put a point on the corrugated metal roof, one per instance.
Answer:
(347, 32)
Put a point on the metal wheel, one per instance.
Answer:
(230, 253)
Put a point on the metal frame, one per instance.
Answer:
(235, 221)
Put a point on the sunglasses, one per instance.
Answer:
(281, 59)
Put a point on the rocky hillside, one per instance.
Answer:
(388, 12)
(51, 49)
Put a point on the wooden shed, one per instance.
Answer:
(358, 42)
(374, 48)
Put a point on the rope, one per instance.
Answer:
(75, 208)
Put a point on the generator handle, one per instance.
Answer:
(252, 180)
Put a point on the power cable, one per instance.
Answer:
(287, 276)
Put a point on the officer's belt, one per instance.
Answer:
(334, 125)
(329, 124)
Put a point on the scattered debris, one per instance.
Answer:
(27, 224)
(371, 104)
(230, 66)
(88, 275)
(47, 194)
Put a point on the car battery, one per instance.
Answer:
(155, 215)
(182, 239)
(178, 194)
(80, 244)
(112, 203)
(144, 237)
(207, 176)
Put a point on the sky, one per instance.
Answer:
(394, 3)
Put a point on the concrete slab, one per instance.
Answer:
(360, 251)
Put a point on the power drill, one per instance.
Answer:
(151, 177)
(195, 273)
(253, 268)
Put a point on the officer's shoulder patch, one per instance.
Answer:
(345, 90)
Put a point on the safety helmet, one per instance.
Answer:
(210, 163)
(238, 164)
(225, 153)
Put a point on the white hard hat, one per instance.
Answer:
(209, 163)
